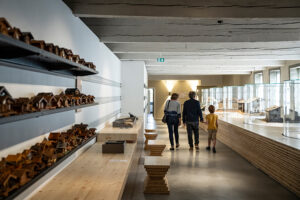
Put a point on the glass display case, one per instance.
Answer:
(254, 105)
(212, 98)
(291, 111)
(219, 99)
(225, 98)
(204, 98)
(234, 95)
(264, 104)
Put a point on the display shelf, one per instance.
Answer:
(21, 55)
(46, 171)
(14, 118)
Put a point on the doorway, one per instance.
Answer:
(151, 101)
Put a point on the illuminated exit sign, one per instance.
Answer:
(160, 59)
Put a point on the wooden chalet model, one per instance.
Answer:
(27, 37)
(42, 101)
(17, 170)
(6, 102)
(4, 26)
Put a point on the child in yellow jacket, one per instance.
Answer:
(212, 128)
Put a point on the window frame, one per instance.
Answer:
(293, 66)
(278, 68)
(258, 72)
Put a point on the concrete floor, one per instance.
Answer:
(204, 175)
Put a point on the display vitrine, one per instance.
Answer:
(291, 111)
(219, 99)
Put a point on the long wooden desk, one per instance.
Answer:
(92, 176)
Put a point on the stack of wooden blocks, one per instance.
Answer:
(156, 166)
(156, 181)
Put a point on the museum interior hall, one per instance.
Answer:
(149, 99)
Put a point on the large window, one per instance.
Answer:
(275, 76)
(295, 73)
(258, 77)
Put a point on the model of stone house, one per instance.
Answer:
(56, 50)
(22, 176)
(62, 52)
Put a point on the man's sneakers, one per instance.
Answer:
(197, 147)
(177, 146)
(208, 148)
(172, 148)
(191, 148)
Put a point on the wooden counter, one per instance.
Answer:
(92, 176)
(276, 155)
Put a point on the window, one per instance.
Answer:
(295, 73)
(275, 76)
(258, 77)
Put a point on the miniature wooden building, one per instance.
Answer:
(26, 37)
(38, 43)
(54, 136)
(76, 58)
(39, 103)
(15, 33)
(56, 50)
(6, 103)
(82, 61)
(72, 91)
(22, 105)
(4, 26)
(49, 47)
(62, 52)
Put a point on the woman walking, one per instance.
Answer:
(173, 113)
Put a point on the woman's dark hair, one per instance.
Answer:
(211, 109)
(192, 94)
(174, 96)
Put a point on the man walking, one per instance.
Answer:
(190, 118)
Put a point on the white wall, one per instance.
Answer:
(54, 22)
(134, 76)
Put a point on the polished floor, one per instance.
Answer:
(204, 175)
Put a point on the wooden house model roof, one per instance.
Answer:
(4, 92)
(38, 99)
(27, 34)
(72, 91)
(14, 158)
(15, 33)
(3, 21)
(54, 136)
(38, 43)
(6, 99)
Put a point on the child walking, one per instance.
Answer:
(212, 122)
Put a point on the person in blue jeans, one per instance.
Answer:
(190, 117)
(173, 113)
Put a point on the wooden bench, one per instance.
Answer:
(156, 181)
(156, 147)
(149, 136)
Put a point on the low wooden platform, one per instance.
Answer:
(156, 147)
(149, 136)
(280, 161)
(156, 181)
(92, 176)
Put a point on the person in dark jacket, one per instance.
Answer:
(190, 117)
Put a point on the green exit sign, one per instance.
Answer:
(160, 59)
